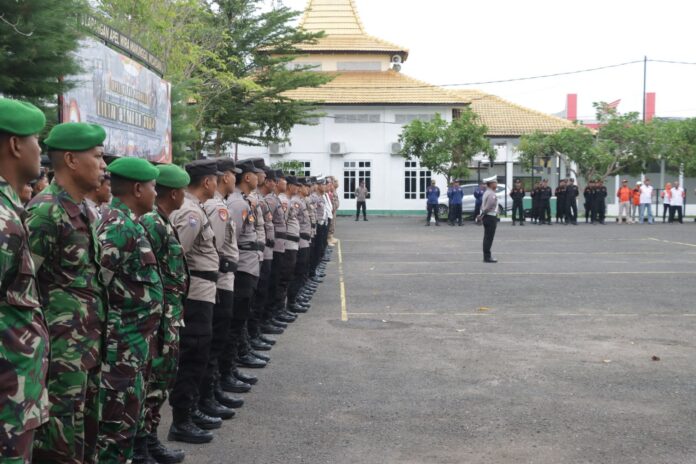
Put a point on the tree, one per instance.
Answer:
(622, 144)
(243, 101)
(289, 167)
(446, 148)
(37, 38)
(677, 145)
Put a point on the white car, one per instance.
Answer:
(469, 202)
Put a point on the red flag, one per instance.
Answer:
(614, 105)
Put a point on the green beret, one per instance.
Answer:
(136, 169)
(172, 176)
(20, 118)
(75, 136)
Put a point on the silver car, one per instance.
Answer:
(469, 201)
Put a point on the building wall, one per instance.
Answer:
(365, 142)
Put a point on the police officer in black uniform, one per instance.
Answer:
(536, 201)
(599, 208)
(571, 206)
(588, 193)
(560, 201)
(517, 195)
(545, 206)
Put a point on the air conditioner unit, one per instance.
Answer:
(337, 149)
(396, 148)
(277, 149)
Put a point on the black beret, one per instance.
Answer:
(201, 168)
(279, 174)
(292, 180)
(259, 163)
(227, 164)
(270, 174)
(247, 165)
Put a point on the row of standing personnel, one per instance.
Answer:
(165, 291)
(594, 194)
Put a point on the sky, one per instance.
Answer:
(465, 41)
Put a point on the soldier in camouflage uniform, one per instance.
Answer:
(171, 185)
(66, 253)
(23, 331)
(135, 293)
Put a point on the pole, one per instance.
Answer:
(645, 84)
(478, 170)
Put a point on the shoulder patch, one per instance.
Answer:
(224, 214)
(192, 220)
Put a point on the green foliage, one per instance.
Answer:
(289, 167)
(622, 145)
(228, 60)
(37, 38)
(676, 144)
(446, 148)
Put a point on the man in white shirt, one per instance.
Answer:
(677, 203)
(646, 191)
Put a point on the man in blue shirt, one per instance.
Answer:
(433, 196)
(455, 195)
(478, 195)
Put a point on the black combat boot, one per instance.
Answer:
(225, 399)
(246, 378)
(183, 429)
(209, 405)
(205, 421)
(161, 453)
(140, 454)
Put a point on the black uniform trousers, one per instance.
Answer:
(361, 205)
(455, 214)
(301, 270)
(432, 210)
(571, 211)
(222, 323)
(319, 247)
(599, 210)
(517, 210)
(676, 211)
(560, 209)
(490, 223)
(274, 284)
(194, 350)
(261, 293)
(545, 211)
(287, 274)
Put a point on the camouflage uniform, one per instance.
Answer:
(175, 277)
(135, 292)
(23, 336)
(65, 249)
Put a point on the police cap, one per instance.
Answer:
(201, 168)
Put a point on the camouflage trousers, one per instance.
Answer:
(161, 380)
(121, 414)
(70, 435)
(16, 448)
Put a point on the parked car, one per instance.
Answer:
(469, 202)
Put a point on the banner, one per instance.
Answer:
(130, 101)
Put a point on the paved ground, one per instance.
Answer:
(546, 357)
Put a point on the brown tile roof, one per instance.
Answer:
(340, 21)
(504, 118)
(387, 87)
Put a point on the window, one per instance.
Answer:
(357, 118)
(353, 173)
(305, 172)
(416, 180)
(408, 118)
(456, 113)
(359, 66)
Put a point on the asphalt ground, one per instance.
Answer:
(577, 347)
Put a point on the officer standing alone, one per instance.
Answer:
(489, 217)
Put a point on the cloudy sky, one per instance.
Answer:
(464, 41)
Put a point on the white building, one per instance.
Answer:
(368, 103)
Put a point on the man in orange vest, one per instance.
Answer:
(625, 195)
